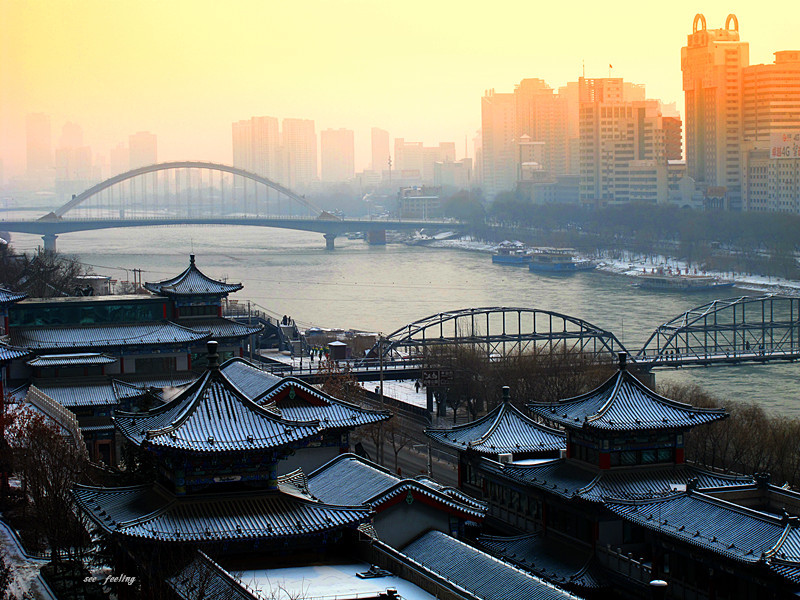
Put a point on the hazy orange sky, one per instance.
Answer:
(186, 70)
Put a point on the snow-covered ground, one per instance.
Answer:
(24, 571)
(324, 581)
(634, 265)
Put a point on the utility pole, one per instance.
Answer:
(380, 367)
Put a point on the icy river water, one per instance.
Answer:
(382, 288)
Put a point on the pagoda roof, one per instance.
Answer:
(10, 352)
(623, 403)
(149, 512)
(476, 571)
(569, 479)
(221, 328)
(246, 376)
(369, 483)
(727, 529)
(212, 415)
(503, 430)
(105, 336)
(296, 400)
(91, 392)
(192, 282)
(9, 297)
(71, 360)
(548, 558)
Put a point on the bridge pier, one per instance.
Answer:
(49, 242)
(329, 237)
(376, 237)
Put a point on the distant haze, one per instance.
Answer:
(185, 70)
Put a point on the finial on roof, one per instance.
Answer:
(506, 394)
(191, 259)
(213, 357)
(623, 361)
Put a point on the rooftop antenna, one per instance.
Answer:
(583, 64)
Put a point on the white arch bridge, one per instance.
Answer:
(199, 193)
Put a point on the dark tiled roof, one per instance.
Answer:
(93, 392)
(76, 396)
(503, 430)
(569, 479)
(211, 415)
(221, 328)
(204, 577)
(623, 403)
(269, 390)
(477, 572)
(151, 513)
(10, 352)
(105, 336)
(331, 412)
(192, 282)
(547, 559)
(739, 533)
(8, 297)
(558, 476)
(251, 380)
(368, 483)
(654, 481)
(72, 360)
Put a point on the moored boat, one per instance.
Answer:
(511, 254)
(558, 261)
(675, 282)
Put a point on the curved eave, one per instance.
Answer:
(686, 536)
(400, 491)
(137, 427)
(570, 414)
(269, 516)
(486, 444)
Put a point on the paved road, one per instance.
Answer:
(413, 462)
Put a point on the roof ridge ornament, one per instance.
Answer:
(213, 356)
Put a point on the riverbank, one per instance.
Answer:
(633, 265)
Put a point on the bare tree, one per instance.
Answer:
(49, 465)
(43, 274)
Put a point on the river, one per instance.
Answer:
(382, 288)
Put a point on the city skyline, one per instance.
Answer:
(354, 65)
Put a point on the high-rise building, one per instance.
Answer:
(542, 116)
(118, 159)
(256, 147)
(498, 146)
(771, 97)
(380, 150)
(623, 148)
(38, 146)
(408, 159)
(712, 62)
(142, 149)
(243, 144)
(300, 152)
(337, 155)
(771, 134)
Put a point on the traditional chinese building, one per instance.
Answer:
(296, 400)
(404, 508)
(504, 434)
(213, 455)
(622, 507)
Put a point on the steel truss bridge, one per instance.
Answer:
(754, 329)
(200, 193)
(500, 331)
